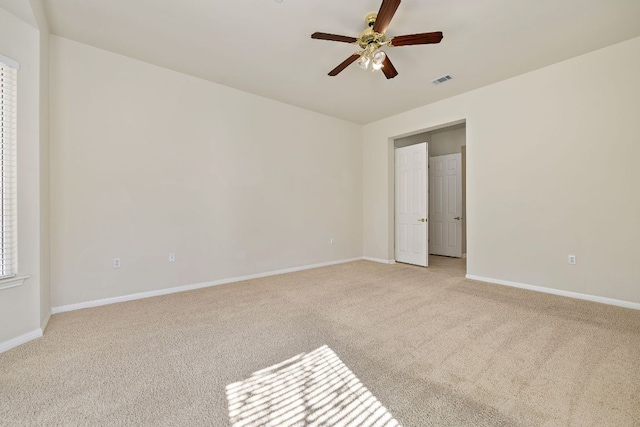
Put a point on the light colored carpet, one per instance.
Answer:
(312, 389)
(434, 348)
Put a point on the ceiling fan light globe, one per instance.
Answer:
(375, 66)
(379, 57)
(364, 62)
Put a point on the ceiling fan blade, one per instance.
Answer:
(333, 37)
(350, 60)
(388, 69)
(411, 39)
(387, 10)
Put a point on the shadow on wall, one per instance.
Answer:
(310, 389)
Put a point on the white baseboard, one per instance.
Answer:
(22, 339)
(379, 260)
(576, 295)
(159, 292)
(45, 322)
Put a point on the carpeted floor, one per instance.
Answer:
(433, 348)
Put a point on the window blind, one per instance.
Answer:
(8, 213)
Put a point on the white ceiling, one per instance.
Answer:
(264, 47)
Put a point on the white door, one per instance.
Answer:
(411, 204)
(445, 199)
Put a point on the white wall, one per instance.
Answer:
(44, 158)
(20, 312)
(448, 140)
(539, 186)
(147, 161)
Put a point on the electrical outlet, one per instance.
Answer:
(116, 263)
(572, 259)
(332, 240)
(172, 257)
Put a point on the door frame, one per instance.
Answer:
(391, 146)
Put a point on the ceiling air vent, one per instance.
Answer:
(442, 79)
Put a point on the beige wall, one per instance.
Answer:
(448, 140)
(147, 161)
(44, 157)
(20, 306)
(539, 186)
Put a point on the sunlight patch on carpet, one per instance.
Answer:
(310, 389)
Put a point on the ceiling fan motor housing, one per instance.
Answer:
(370, 19)
(369, 38)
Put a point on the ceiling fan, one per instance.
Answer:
(374, 37)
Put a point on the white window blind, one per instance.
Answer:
(8, 189)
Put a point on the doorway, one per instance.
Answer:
(445, 193)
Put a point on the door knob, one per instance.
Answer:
(458, 218)
(422, 220)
